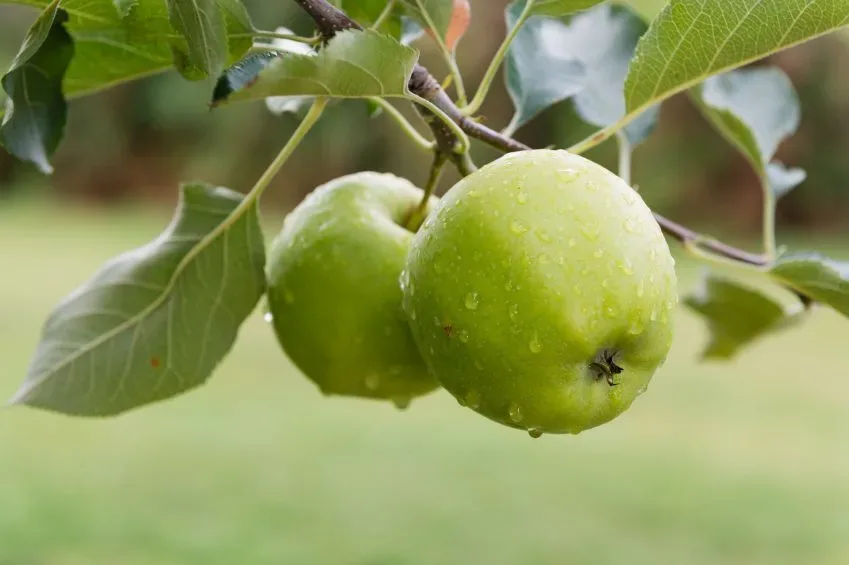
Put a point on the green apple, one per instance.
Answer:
(334, 294)
(540, 291)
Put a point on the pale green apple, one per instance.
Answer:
(540, 292)
(334, 293)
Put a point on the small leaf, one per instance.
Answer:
(540, 69)
(816, 276)
(156, 321)
(690, 41)
(36, 111)
(756, 109)
(201, 23)
(559, 8)
(737, 315)
(782, 180)
(354, 64)
(446, 20)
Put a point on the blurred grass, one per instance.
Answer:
(746, 463)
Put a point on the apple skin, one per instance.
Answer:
(334, 293)
(540, 291)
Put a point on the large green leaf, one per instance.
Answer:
(541, 68)
(127, 39)
(201, 25)
(35, 109)
(815, 276)
(447, 20)
(560, 7)
(154, 322)
(693, 39)
(354, 64)
(755, 109)
(737, 315)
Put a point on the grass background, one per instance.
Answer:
(743, 463)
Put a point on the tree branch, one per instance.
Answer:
(330, 20)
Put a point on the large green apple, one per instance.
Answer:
(540, 292)
(334, 293)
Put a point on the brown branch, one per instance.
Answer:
(330, 20)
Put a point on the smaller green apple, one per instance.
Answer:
(540, 292)
(334, 292)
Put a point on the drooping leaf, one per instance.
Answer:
(782, 179)
(156, 321)
(540, 69)
(690, 41)
(354, 64)
(737, 315)
(606, 37)
(755, 110)
(126, 39)
(201, 25)
(36, 111)
(818, 277)
(446, 20)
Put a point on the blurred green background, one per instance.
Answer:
(736, 464)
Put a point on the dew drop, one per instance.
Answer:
(635, 328)
(472, 301)
(653, 316)
(268, 317)
(402, 402)
(515, 413)
(542, 235)
(561, 260)
(535, 346)
(412, 314)
(521, 197)
(599, 253)
(372, 381)
(625, 267)
(591, 186)
(567, 175)
(473, 399)
(578, 290)
(463, 336)
(605, 283)
(514, 311)
(590, 233)
(535, 433)
(572, 242)
(543, 259)
(611, 312)
(642, 390)
(478, 365)
(641, 289)
(508, 285)
(517, 227)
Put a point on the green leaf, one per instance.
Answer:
(692, 40)
(815, 276)
(447, 20)
(755, 110)
(354, 64)
(154, 322)
(559, 8)
(737, 315)
(127, 39)
(35, 109)
(540, 69)
(201, 24)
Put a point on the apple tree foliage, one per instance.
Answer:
(155, 321)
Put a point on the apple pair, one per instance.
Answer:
(538, 291)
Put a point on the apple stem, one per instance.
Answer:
(418, 215)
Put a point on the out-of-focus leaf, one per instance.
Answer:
(737, 315)
(156, 321)
(200, 24)
(690, 41)
(354, 64)
(447, 20)
(815, 276)
(36, 111)
(560, 8)
(755, 110)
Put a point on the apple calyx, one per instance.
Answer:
(604, 366)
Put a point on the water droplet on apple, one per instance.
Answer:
(591, 233)
(572, 242)
(463, 336)
(535, 433)
(268, 317)
(473, 399)
(641, 289)
(599, 253)
(635, 328)
(478, 365)
(605, 283)
(561, 260)
(567, 175)
(591, 186)
(578, 290)
(521, 197)
(653, 316)
(402, 402)
(515, 413)
(535, 346)
(625, 267)
(628, 224)
(514, 311)
(642, 389)
(543, 259)
(611, 312)
(372, 381)
(472, 301)
(412, 314)
(517, 227)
